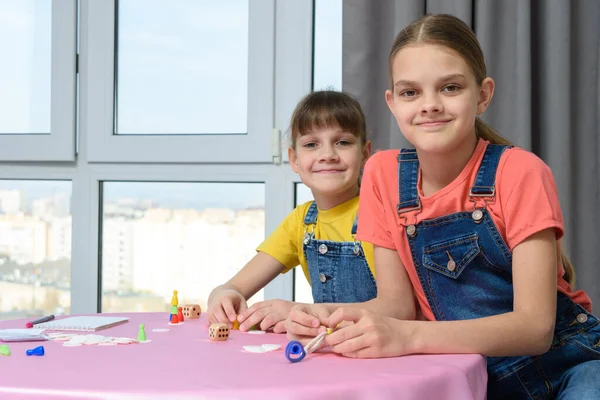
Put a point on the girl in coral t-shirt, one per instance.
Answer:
(473, 225)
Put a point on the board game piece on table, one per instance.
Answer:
(4, 350)
(174, 320)
(180, 315)
(174, 299)
(38, 351)
(141, 334)
(218, 332)
(192, 311)
(174, 312)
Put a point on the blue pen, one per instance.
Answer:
(39, 321)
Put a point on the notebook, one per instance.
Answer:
(82, 323)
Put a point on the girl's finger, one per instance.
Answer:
(343, 335)
(255, 318)
(229, 309)
(302, 318)
(349, 314)
(219, 315)
(279, 327)
(350, 346)
(301, 330)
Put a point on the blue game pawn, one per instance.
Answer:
(38, 351)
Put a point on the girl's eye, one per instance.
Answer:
(345, 142)
(450, 88)
(408, 93)
(309, 145)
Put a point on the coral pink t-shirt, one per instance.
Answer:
(526, 202)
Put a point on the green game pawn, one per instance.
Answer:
(141, 334)
(4, 350)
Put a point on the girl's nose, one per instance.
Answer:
(431, 105)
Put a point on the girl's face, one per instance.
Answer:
(329, 162)
(436, 98)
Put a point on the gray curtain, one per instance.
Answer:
(544, 56)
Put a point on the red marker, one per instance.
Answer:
(39, 321)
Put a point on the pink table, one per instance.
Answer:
(183, 363)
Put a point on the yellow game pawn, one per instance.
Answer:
(236, 324)
(174, 299)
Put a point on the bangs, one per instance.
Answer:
(329, 110)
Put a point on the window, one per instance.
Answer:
(195, 54)
(302, 289)
(191, 82)
(35, 248)
(37, 39)
(328, 45)
(189, 237)
(89, 65)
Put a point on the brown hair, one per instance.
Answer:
(328, 108)
(451, 32)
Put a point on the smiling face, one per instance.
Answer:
(329, 162)
(436, 98)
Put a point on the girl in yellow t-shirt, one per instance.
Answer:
(329, 148)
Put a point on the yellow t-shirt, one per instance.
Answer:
(285, 243)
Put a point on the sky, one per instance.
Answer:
(182, 68)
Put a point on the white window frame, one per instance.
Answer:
(105, 146)
(292, 79)
(59, 144)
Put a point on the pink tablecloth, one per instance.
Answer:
(183, 363)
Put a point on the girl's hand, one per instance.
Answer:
(225, 306)
(371, 335)
(305, 321)
(269, 313)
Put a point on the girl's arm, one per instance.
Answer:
(395, 297)
(255, 275)
(229, 299)
(527, 330)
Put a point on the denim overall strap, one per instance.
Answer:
(408, 175)
(485, 182)
(339, 272)
(311, 215)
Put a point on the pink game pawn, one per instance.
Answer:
(180, 315)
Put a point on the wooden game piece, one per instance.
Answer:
(192, 311)
(218, 332)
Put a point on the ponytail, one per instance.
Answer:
(569, 274)
(486, 132)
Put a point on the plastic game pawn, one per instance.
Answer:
(174, 319)
(180, 315)
(38, 351)
(174, 311)
(141, 334)
(4, 350)
(174, 299)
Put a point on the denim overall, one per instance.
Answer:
(465, 269)
(339, 272)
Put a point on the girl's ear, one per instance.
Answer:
(485, 95)
(366, 152)
(293, 157)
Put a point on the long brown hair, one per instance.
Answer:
(325, 109)
(451, 32)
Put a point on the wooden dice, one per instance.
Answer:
(218, 332)
(192, 311)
